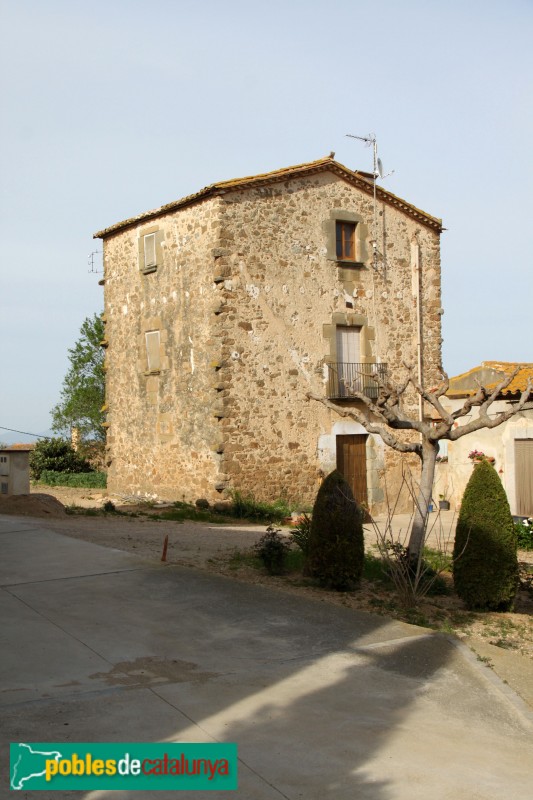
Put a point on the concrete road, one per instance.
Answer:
(323, 702)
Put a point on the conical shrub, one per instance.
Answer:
(336, 542)
(485, 567)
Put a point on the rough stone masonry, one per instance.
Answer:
(224, 308)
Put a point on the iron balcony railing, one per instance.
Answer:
(346, 379)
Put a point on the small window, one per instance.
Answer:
(150, 249)
(346, 236)
(345, 240)
(153, 351)
(150, 259)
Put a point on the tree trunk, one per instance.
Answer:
(418, 531)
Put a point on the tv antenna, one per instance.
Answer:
(92, 265)
(377, 172)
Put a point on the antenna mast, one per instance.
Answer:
(92, 266)
(377, 172)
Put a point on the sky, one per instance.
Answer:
(113, 107)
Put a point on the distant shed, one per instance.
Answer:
(15, 469)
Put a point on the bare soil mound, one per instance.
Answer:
(32, 505)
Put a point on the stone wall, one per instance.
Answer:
(162, 435)
(282, 301)
(246, 300)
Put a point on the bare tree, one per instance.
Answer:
(385, 415)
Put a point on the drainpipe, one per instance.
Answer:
(415, 266)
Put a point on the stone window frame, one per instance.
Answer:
(152, 230)
(349, 320)
(360, 239)
(153, 355)
(146, 365)
(367, 342)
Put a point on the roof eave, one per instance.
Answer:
(358, 179)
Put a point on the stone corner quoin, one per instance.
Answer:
(223, 310)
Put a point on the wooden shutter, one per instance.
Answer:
(149, 250)
(152, 350)
(524, 476)
(348, 344)
(345, 240)
(348, 354)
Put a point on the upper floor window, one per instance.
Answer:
(346, 235)
(345, 240)
(150, 250)
(150, 259)
(153, 351)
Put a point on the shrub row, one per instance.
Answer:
(76, 480)
(57, 455)
(485, 567)
(247, 507)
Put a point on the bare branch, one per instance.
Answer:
(431, 397)
(484, 421)
(387, 406)
(444, 385)
(482, 396)
(388, 410)
(383, 415)
(371, 427)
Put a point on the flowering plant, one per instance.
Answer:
(476, 455)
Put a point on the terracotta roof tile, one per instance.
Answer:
(363, 181)
(490, 374)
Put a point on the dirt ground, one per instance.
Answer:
(495, 637)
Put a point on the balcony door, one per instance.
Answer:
(351, 463)
(348, 354)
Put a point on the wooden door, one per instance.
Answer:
(524, 476)
(351, 463)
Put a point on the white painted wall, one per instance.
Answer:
(496, 442)
(14, 472)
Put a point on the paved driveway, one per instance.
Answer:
(323, 702)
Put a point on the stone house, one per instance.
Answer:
(223, 309)
(509, 446)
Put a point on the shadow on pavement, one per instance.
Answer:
(323, 702)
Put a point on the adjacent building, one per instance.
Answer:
(223, 309)
(509, 446)
(15, 469)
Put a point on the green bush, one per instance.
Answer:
(336, 543)
(57, 455)
(485, 567)
(524, 535)
(302, 532)
(76, 480)
(273, 550)
(247, 507)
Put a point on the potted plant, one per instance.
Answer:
(478, 455)
(444, 503)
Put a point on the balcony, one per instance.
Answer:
(346, 379)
